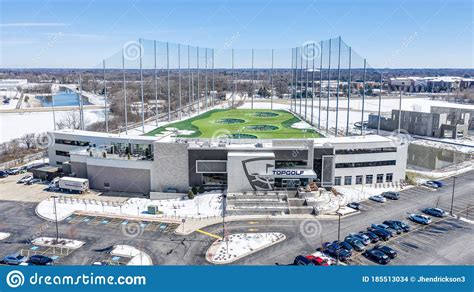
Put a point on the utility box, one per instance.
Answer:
(153, 209)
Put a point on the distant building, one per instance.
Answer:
(430, 84)
(6, 84)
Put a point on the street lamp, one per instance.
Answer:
(56, 219)
(338, 234)
(452, 196)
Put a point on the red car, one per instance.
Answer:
(317, 260)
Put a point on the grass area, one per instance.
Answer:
(241, 123)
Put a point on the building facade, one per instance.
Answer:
(139, 164)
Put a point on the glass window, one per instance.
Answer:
(369, 179)
(337, 181)
(347, 180)
(359, 179)
(389, 177)
(380, 178)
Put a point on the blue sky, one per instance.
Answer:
(390, 33)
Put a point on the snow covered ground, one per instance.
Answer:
(236, 246)
(467, 149)
(15, 125)
(12, 95)
(138, 257)
(62, 242)
(202, 206)
(4, 235)
(362, 192)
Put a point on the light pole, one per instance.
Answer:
(338, 234)
(452, 196)
(56, 219)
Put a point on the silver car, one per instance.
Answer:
(378, 198)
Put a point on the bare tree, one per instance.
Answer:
(29, 140)
(71, 121)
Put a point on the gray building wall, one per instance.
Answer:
(79, 168)
(195, 179)
(119, 179)
(456, 115)
(170, 168)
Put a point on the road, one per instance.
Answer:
(445, 242)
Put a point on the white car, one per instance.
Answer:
(25, 179)
(378, 198)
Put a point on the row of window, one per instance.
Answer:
(71, 142)
(366, 164)
(62, 153)
(359, 179)
(366, 150)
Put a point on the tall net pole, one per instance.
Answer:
(190, 104)
(292, 78)
(320, 85)
(380, 102)
(306, 86)
(156, 84)
(329, 88)
(205, 70)
(124, 93)
(197, 80)
(168, 80)
(141, 87)
(233, 80)
(105, 99)
(179, 80)
(363, 99)
(213, 81)
(312, 85)
(338, 83)
(252, 89)
(349, 90)
(271, 84)
(81, 103)
(301, 79)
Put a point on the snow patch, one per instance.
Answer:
(138, 257)
(4, 235)
(62, 242)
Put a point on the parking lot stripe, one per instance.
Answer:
(208, 234)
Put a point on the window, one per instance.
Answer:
(359, 179)
(366, 150)
(380, 178)
(71, 142)
(347, 180)
(62, 153)
(107, 185)
(365, 164)
(337, 181)
(389, 177)
(369, 179)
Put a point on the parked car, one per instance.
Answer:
(436, 212)
(362, 237)
(403, 225)
(14, 259)
(378, 198)
(317, 261)
(343, 245)
(419, 218)
(302, 261)
(335, 251)
(386, 228)
(387, 250)
(40, 260)
(381, 233)
(393, 225)
(440, 184)
(373, 237)
(356, 244)
(354, 205)
(3, 174)
(13, 171)
(430, 184)
(24, 179)
(377, 256)
(391, 195)
(33, 181)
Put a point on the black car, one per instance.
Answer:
(3, 174)
(343, 245)
(354, 205)
(40, 260)
(392, 224)
(405, 227)
(387, 250)
(436, 212)
(384, 235)
(373, 237)
(356, 244)
(377, 256)
(336, 251)
(391, 195)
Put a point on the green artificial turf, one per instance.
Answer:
(218, 123)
